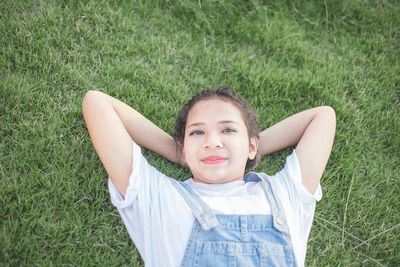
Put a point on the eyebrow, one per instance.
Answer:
(202, 123)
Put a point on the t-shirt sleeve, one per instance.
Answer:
(142, 195)
(149, 212)
(141, 170)
(290, 175)
(298, 202)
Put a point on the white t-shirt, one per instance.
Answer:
(160, 222)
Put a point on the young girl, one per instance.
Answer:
(220, 216)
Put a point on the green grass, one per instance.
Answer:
(283, 56)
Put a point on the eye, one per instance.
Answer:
(229, 130)
(196, 132)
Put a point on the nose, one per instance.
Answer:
(213, 140)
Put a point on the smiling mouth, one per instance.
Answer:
(213, 160)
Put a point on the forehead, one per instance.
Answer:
(214, 109)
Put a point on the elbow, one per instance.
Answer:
(328, 111)
(330, 116)
(89, 98)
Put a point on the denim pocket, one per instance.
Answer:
(215, 254)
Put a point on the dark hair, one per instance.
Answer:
(225, 93)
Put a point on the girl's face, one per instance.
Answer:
(216, 145)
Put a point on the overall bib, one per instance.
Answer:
(237, 240)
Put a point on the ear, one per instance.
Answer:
(253, 147)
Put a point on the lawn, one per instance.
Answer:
(282, 56)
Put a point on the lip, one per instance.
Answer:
(213, 160)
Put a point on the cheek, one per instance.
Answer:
(242, 149)
(241, 142)
(189, 150)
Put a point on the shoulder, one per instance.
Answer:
(288, 181)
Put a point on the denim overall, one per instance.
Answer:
(237, 240)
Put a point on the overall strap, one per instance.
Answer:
(278, 214)
(201, 210)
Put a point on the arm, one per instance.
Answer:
(312, 131)
(112, 125)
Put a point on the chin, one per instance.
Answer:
(214, 181)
